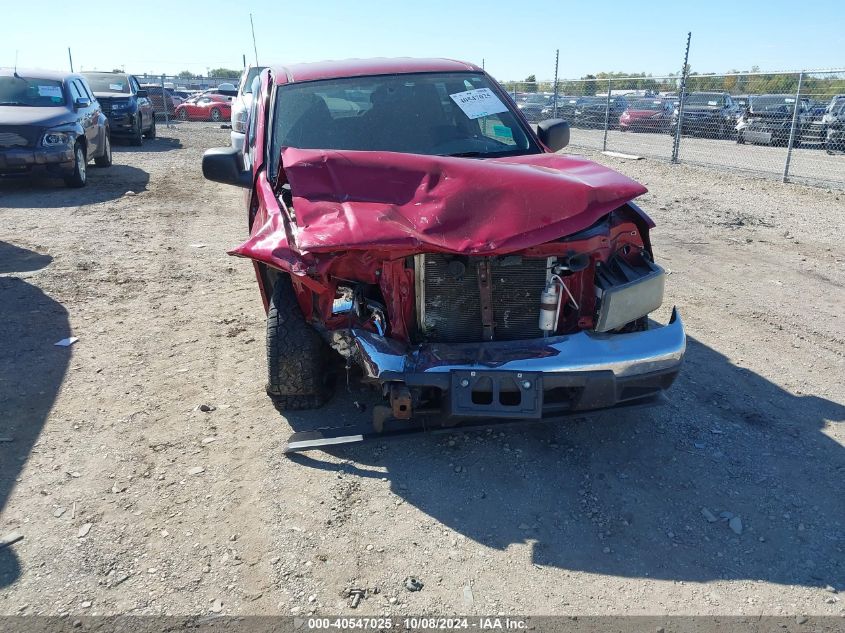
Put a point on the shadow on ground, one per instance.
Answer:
(31, 372)
(622, 494)
(104, 184)
(158, 144)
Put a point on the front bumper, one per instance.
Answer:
(581, 371)
(122, 123)
(25, 160)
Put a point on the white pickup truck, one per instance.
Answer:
(241, 105)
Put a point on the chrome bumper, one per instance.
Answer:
(654, 351)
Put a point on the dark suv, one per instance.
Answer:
(711, 114)
(126, 105)
(50, 122)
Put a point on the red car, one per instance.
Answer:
(404, 214)
(647, 114)
(206, 108)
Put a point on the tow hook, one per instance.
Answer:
(399, 409)
(400, 401)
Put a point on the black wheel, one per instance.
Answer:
(137, 138)
(79, 176)
(296, 355)
(105, 159)
(151, 133)
(215, 114)
(183, 114)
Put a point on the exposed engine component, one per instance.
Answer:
(449, 297)
(549, 304)
(352, 301)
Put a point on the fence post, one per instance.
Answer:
(164, 99)
(606, 116)
(792, 129)
(676, 145)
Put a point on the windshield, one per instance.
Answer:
(445, 114)
(705, 99)
(646, 104)
(772, 103)
(107, 82)
(536, 99)
(31, 91)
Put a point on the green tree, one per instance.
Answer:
(185, 74)
(224, 73)
(531, 80)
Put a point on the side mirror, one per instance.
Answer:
(141, 93)
(82, 102)
(225, 164)
(554, 133)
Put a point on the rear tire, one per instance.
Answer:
(215, 114)
(105, 159)
(80, 175)
(137, 138)
(151, 133)
(296, 355)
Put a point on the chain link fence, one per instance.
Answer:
(785, 125)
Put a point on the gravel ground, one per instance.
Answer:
(131, 499)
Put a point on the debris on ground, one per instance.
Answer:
(413, 584)
(10, 539)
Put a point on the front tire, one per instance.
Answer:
(105, 159)
(80, 175)
(296, 355)
(215, 114)
(183, 114)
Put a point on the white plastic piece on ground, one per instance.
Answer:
(67, 342)
(621, 155)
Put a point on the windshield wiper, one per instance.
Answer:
(466, 154)
(13, 103)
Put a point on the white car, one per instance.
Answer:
(241, 105)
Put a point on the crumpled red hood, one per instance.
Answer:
(358, 200)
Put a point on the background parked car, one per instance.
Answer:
(241, 105)
(654, 115)
(768, 120)
(566, 106)
(532, 106)
(711, 114)
(206, 108)
(154, 94)
(51, 121)
(126, 105)
(592, 111)
(834, 121)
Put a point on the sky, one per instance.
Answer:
(513, 39)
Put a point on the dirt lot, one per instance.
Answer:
(131, 500)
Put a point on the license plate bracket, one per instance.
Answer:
(499, 394)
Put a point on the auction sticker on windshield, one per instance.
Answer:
(49, 91)
(116, 87)
(478, 103)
